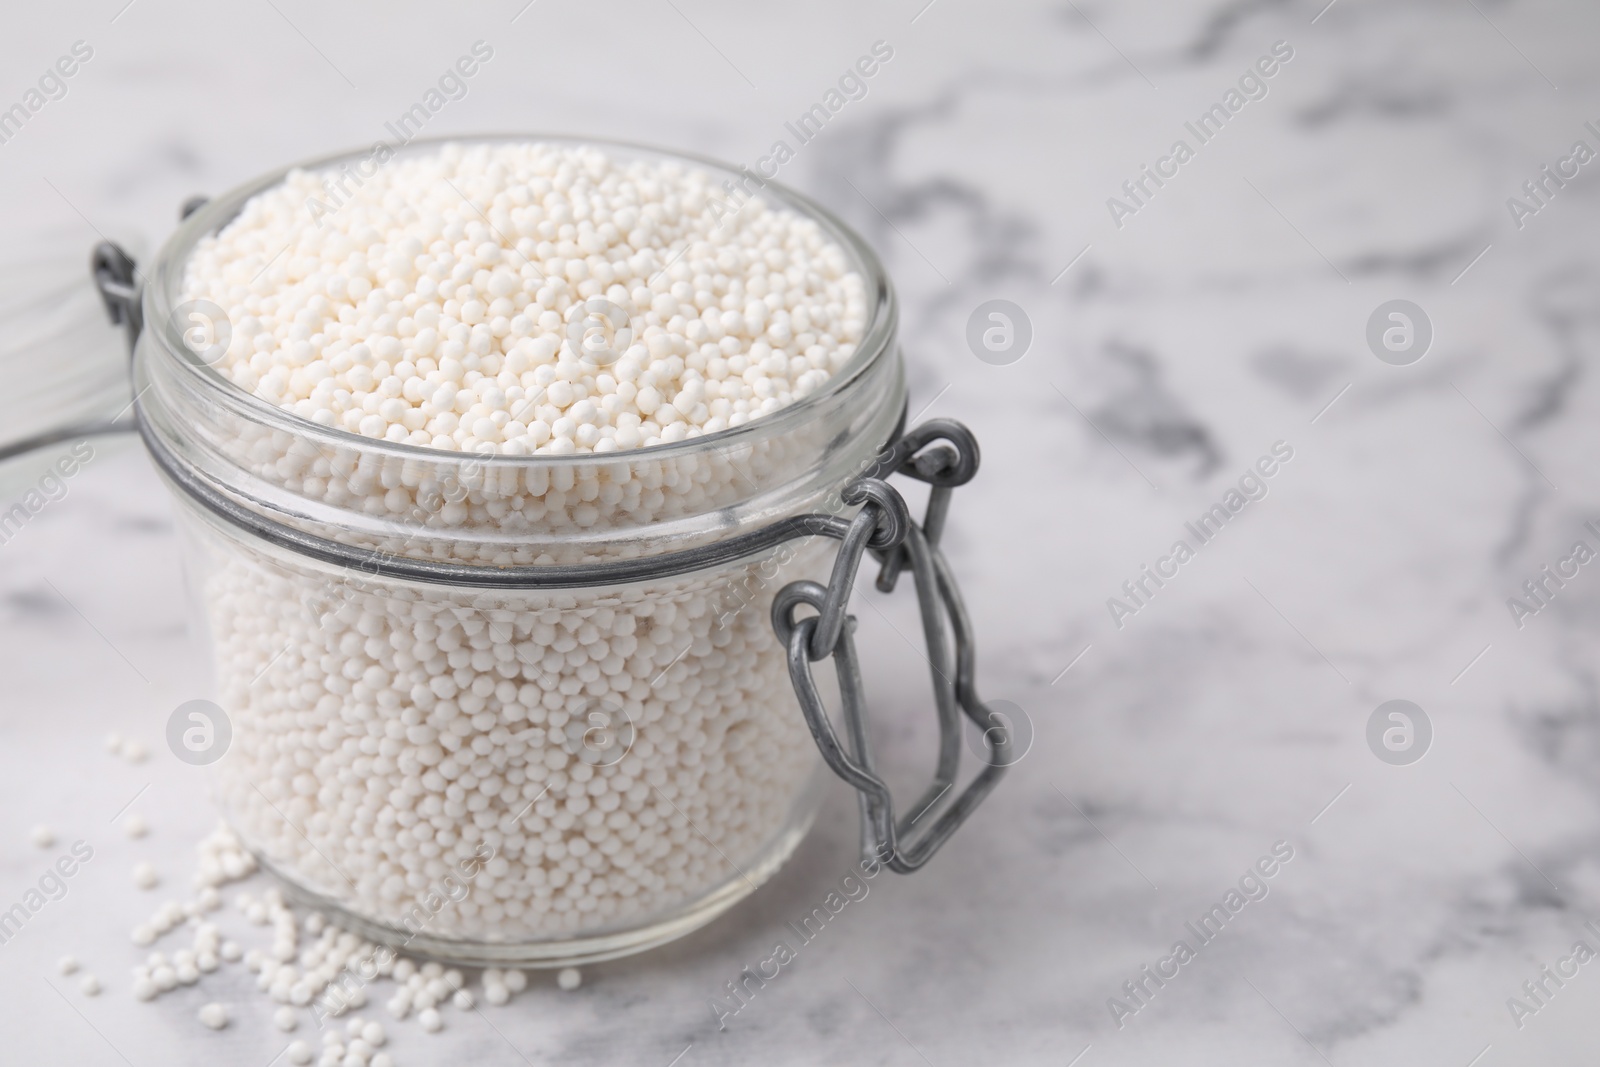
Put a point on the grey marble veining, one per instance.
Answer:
(1171, 752)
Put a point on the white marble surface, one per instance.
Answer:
(1225, 716)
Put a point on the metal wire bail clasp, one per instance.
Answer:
(884, 527)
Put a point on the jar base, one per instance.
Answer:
(579, 950)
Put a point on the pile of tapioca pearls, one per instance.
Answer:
(436, 308)
(433, 307)
(395, 735)
(304, 970)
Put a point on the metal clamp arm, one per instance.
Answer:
(883, 526)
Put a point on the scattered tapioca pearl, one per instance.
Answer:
(570, 978)
(90, 985)
(299, 1053)
(135, 826)
(113, 744)
(314, 970)
(167, 917)
(214, 1015)
(135, 751)
(231, 951)
(43, 836)
(144, 876)
(67, 964)
(144, 934)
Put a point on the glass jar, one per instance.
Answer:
(539, 709)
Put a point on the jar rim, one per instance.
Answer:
(163, 295)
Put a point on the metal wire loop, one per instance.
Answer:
(950, 463)
(894, 518)
(954, 463)
(790, 597)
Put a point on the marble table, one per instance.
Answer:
(1190, 732)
